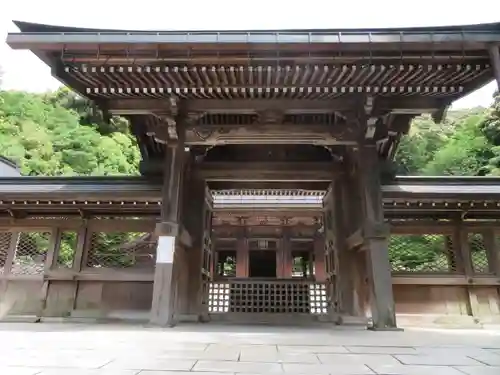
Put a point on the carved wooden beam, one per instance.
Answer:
(272, 134)
(164, 129)
(236, 171)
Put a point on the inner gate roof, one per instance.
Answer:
(133, 195)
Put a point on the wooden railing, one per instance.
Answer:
(267, 296)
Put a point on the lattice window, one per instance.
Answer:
(478, 253)
(421, 253)
(31, 252)
(260, 297)
(67, 248)
(218, 297)
(318, 299)
(5, 238)
(121, 250)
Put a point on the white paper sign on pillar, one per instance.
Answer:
(165, 249)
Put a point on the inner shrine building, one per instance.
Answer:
(266, 190)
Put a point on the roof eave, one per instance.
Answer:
(30, 27)
(38, 40)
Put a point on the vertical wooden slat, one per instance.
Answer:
(14, 240)
(84, 236)
(11, 253)
(492, 251)
(51, 258)
(465, 264)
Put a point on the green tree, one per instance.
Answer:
(60, 133)
(47, 136)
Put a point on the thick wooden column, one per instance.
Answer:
(163, 307)
(286, 248)
(346, 257)
(242, 254)
(192, 220)
(376, 233)
(319, 258)
(353, 259)
(495, 62)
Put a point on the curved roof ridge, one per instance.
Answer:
(31, 27)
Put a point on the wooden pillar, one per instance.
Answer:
(319, 258)
(49, 264)
(192, 220)
(242, 254)
(353, 221)
(493, 249)
(495, 62)
(81, 251)
(163, 307)
(346, 257)
(376, 234)
(286, 245)
(464, 264)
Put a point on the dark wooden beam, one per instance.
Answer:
(382, 105)
(236, 228)
(146, 106)
(405, 105)
(494, 51)
(238, 185)
(283, 212)
(256, 172)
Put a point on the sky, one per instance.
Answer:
(23, 71)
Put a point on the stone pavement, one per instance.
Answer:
(84, 349)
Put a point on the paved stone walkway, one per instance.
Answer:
(70, 349)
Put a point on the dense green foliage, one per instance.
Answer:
(467, 143)
(58, 134)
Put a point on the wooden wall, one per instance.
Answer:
(54, 287)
